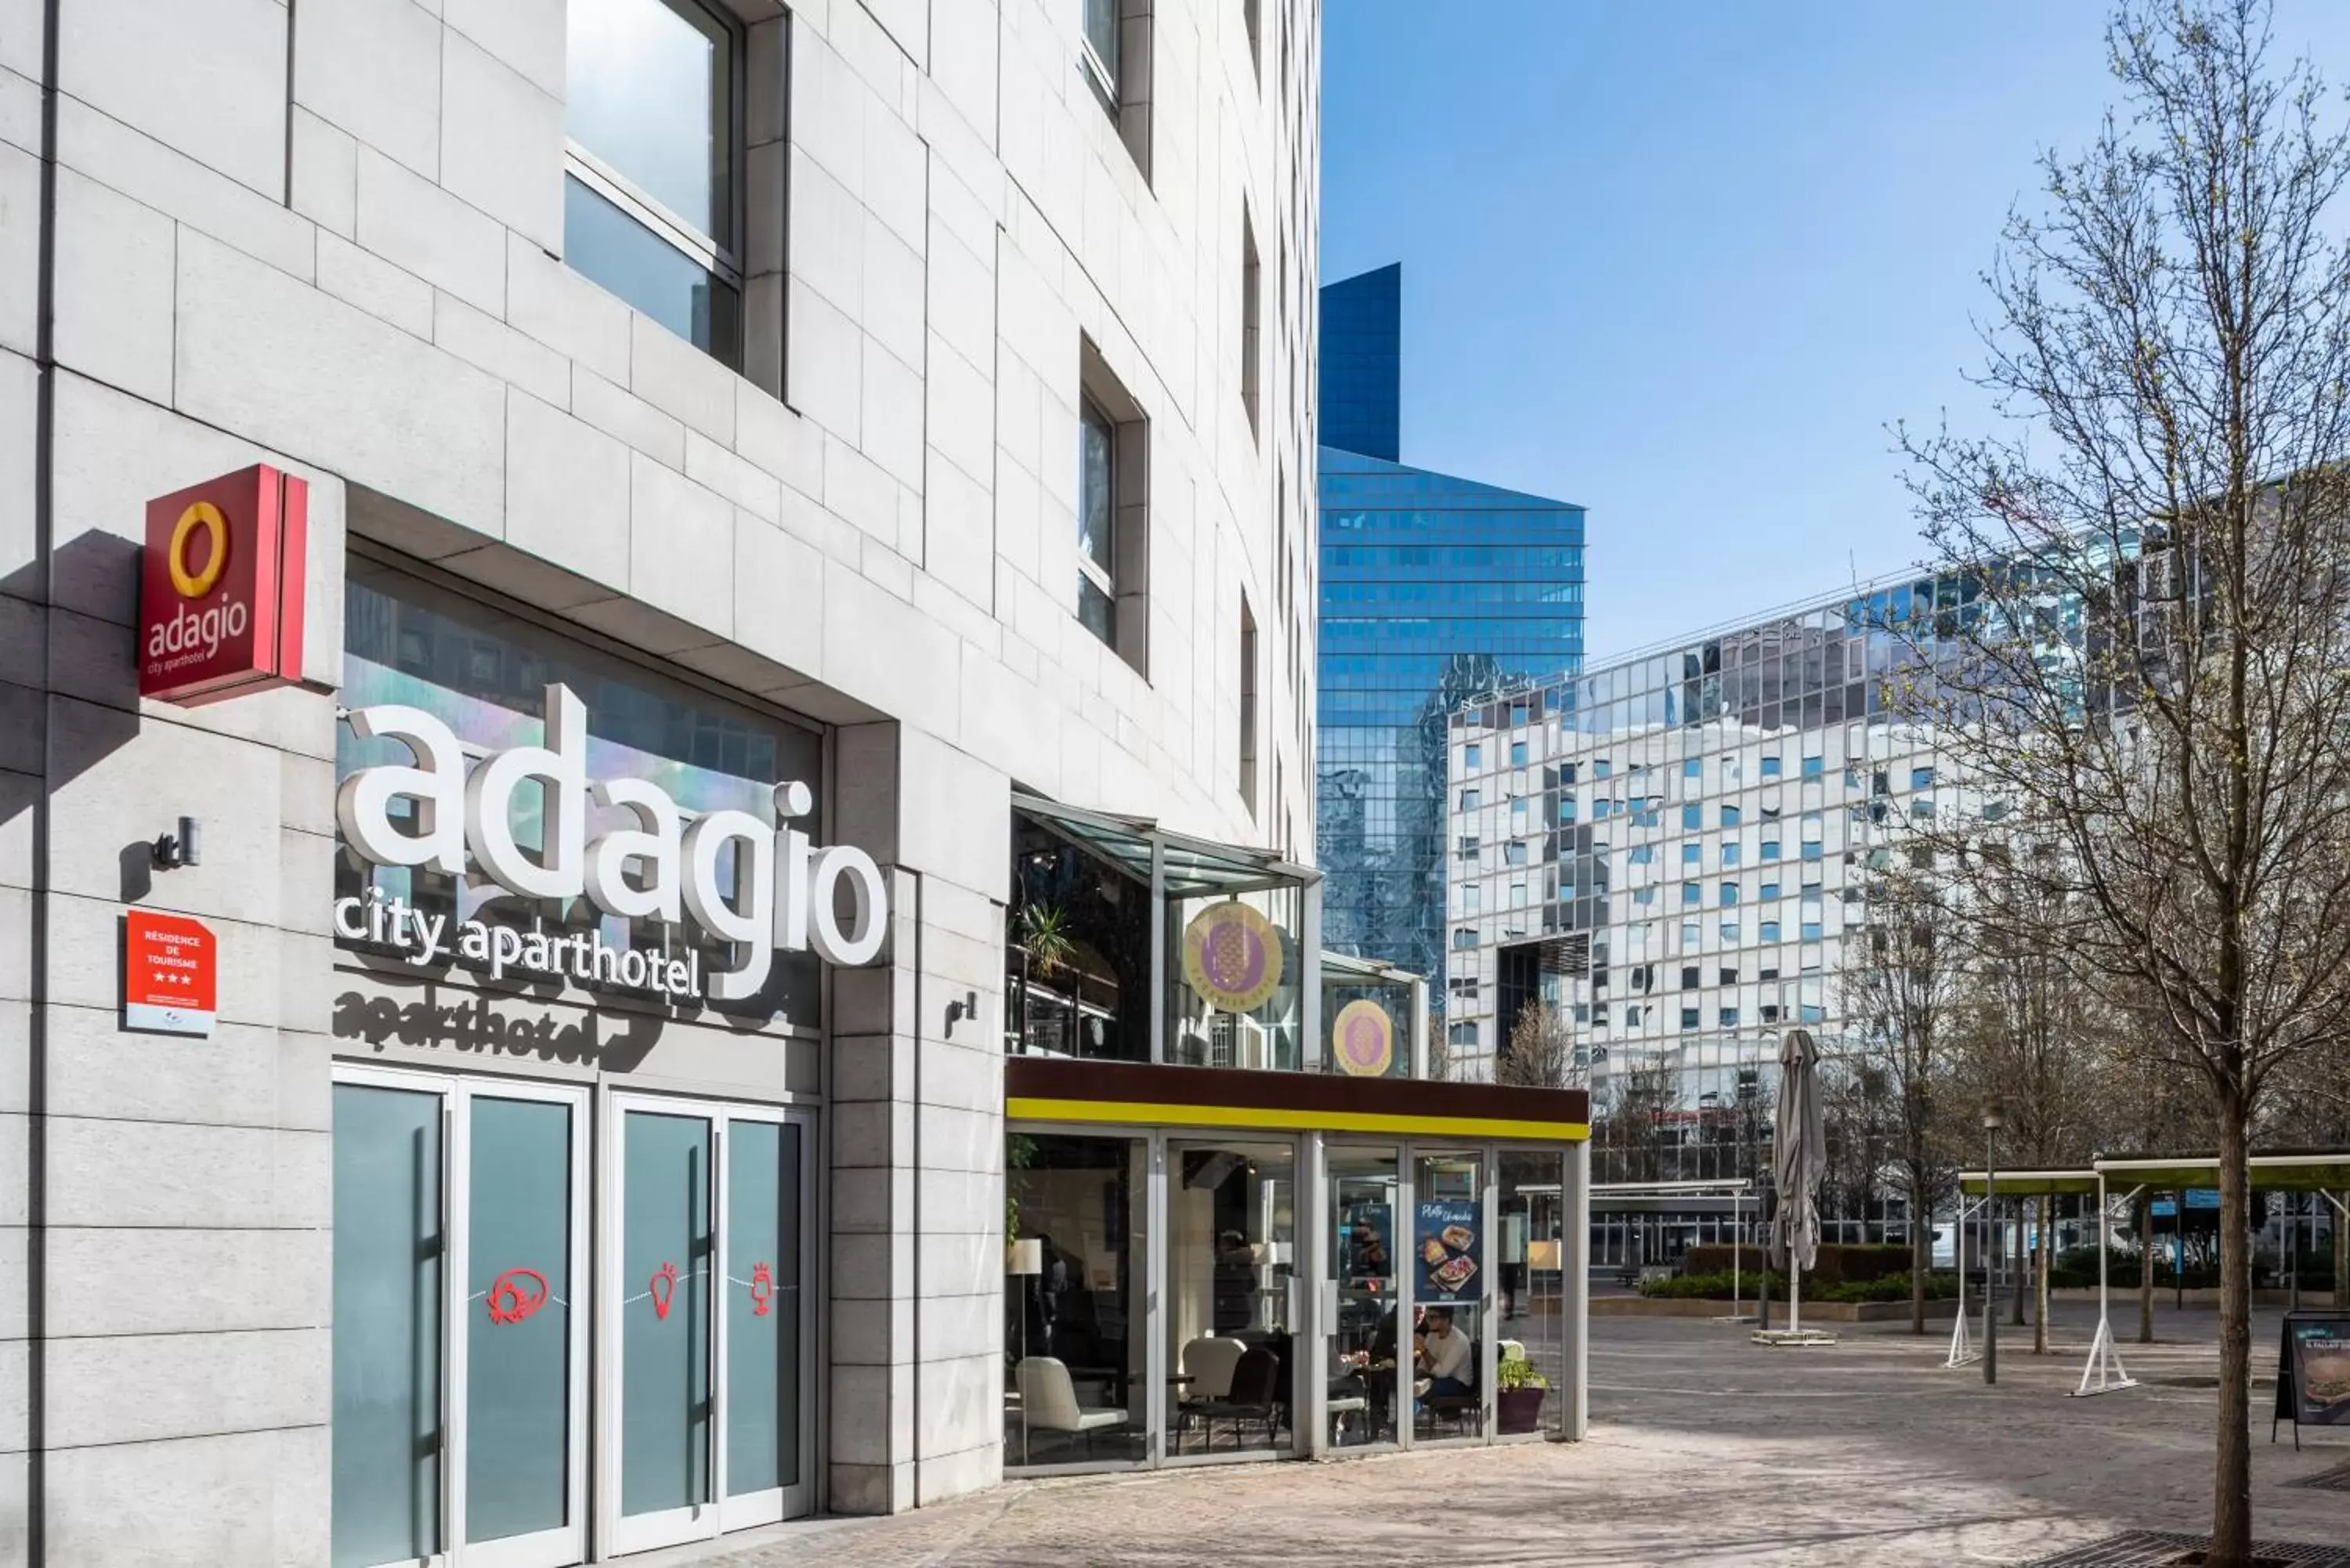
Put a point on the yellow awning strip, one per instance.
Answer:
(1127, 1113)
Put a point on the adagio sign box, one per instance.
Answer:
(220, 588)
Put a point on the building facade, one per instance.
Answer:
(1670, 850)
(699, 460)
(1432, 588)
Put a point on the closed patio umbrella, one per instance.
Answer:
(1798, 1153)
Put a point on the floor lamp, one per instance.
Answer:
(1024, 1260)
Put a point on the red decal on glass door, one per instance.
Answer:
(515, 1294)
(763, 1289)
(664, 1285)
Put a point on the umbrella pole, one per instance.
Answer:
(1794, 1308)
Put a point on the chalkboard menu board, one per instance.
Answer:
(2312, 1386)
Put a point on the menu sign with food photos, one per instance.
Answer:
(2313, 1370)
(1450, 1252)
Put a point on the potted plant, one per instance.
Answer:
(1518, 1391)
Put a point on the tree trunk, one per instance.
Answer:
(2231, 1490)
(2023, 1271)
(2040, 1275)
(2145, 1223)
(1921, 1257)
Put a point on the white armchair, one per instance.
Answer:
(1049, 1403)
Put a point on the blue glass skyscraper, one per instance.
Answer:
(1433, 589)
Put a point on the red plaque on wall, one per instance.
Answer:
(170, 983)
(220, 586)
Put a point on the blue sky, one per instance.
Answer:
(1683, 262)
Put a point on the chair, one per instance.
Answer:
(1254, 1397)
(1048, 1400)
(1209, 1363)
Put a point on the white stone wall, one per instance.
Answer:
(343, 257)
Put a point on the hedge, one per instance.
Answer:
(1838, 1262)
(1717, 1287)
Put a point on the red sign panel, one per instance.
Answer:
(168, 980)
(220, 591)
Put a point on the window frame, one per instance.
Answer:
(722, 259)
(1102, 577)
(1099, 75)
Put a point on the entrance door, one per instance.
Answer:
(460, 1367)
(710, 1349)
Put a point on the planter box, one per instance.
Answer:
(1518, 1409)
(1813, 1311)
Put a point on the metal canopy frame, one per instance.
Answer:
(2321, 1171)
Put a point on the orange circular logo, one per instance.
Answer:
(205, 515)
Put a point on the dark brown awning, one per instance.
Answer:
(1134, 1093)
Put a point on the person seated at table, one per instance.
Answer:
(1444, 1354)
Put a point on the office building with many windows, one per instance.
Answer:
(1433, 587)
(1671, 849)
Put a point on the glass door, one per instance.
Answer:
(710, 1336)
(1368, 1342)
(1231, 1305)
(459, 1360)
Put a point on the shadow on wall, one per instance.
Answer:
(95, 584)
(471, 1022)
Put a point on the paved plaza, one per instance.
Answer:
(1704, 1449)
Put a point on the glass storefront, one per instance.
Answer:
(1441, 1270)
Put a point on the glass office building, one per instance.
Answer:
(1433, 590)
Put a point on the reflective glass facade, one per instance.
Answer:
(1433, 589)
(1362, 364)
(1673, 848)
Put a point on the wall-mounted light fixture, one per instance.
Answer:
(964, 1006)
(184, 847)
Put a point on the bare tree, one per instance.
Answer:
(1900, 981)
(1639, 1115)
(2148, 628)
(1539, 1053)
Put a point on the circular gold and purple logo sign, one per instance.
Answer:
(1231, 956)
(1362, 1039)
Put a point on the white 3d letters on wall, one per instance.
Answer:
(754, 885)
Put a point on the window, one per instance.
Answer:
(1770, 1012)
(650, 203)
(1729, 892)
(1517, 754)
(1728, 1016)
(1689, 977)
(1692, 816)
(1600, 769)
(1689, 1017)
(1644, 853)
(1566, 774)
(1769, 889)
(1113, 512)
(1692, 767)
(1096, 537)
(1811, 930)
(1770, 849)
(1770, 930)
(1517, 895)
(1812, 767)
(1468, 847)
(1631, 1017)
(1921, 778)
(1810, 1012)
(1730, 855)
(1461, 1035)
(1690, 853)
(1468, 899)
(1689, 933)
(1770, 767)
(1513, 855)
(1473, 755)
(1692, 895)
(1462, 936)
(1729, 816)
(1729, 931)
(1252, 294)
(1644, 895)
(1811, 849)
(1099, 55)
(1248, 707)
(1728, 974)
(1470, 800)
